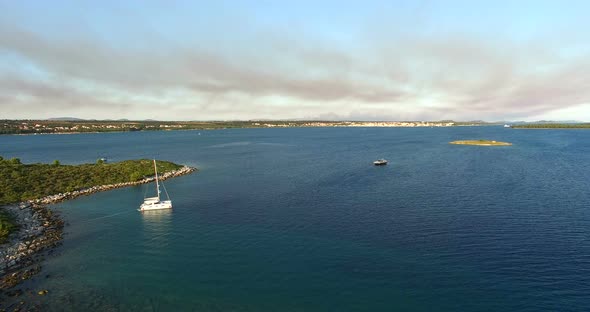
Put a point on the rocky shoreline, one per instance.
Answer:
(40, 230)
(52, 199)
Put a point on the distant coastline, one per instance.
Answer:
(553, 126)
(32, 127)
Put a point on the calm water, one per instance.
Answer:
(300, 220)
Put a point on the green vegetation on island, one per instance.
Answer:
(20, 182)
(480, 143)
(7, 225)
(553, 126)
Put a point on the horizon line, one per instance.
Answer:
(74, 119)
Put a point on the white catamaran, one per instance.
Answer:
(153, 203)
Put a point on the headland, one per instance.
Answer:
(35, 229)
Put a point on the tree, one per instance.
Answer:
(135, 176)
(56, 162)
(15, 161)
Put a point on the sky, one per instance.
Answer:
(329, 60)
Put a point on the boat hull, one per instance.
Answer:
(165, 204)
(380, 162)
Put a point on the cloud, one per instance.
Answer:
(200, 71)
(31, 98)
(436, 76)
(475, 78)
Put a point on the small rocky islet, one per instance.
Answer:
(480, 143)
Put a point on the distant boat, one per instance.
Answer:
(507, 126)
(380, 162)
(154, 203)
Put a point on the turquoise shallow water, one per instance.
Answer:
(300, 220)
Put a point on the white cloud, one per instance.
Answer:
(450, 76)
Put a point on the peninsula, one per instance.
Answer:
(28, 228)
(480, 143)
(553, 126)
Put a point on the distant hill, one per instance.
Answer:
(66, 119)
(521, 122)
(558, 121)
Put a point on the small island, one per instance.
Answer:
(481, 143)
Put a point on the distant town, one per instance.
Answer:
(80, 125)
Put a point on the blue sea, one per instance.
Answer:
(299, 219)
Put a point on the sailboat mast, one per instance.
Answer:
(157, 184)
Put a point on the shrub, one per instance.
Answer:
(15, 161)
